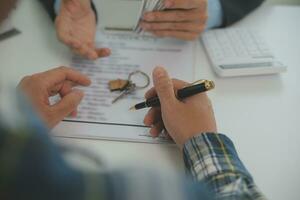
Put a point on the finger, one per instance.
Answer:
(83, 54)
(197, 27)
(103, 52)
(150, 93)
(164, 87)
(157, 129)
(65, 90)
(189, 36)
(87, 52)
(60, 74)
(174, 16)
(66, 106)
(62, 88)
(178, 84)
(92, 54)
(54, 90)
(153, 116)
(185, 4)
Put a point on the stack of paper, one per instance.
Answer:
(148, 6)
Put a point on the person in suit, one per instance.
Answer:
(75, 20)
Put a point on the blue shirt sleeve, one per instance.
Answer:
(215, 14)
(57, 5)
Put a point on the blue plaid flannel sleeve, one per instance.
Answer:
(212, 159)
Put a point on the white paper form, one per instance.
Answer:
(97, 116)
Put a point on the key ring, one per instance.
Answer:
(138, 72)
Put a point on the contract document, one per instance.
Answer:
(97, 117)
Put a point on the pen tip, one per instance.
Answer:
(132, 108)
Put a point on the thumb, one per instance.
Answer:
(163, 86)
(67, 105)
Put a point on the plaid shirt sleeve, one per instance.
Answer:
(211, 158)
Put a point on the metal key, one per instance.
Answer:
(129, 89)
(133, 84)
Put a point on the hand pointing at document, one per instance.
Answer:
(182, 19)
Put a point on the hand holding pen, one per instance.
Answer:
(185, 92)
(182, 119)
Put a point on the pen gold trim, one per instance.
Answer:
(208, 85)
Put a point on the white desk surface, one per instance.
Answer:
(260, 114)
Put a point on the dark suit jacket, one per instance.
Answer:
(234, 10)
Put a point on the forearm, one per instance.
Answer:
(212, 158)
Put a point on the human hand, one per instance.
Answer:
(76, 27)
(39, 87)
(182, 19)
(181, 119)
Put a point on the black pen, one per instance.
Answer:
(190, 90)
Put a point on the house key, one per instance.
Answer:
(133, 85)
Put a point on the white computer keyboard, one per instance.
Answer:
(238, 52)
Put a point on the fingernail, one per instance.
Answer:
(159, 71)
(168, 4)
